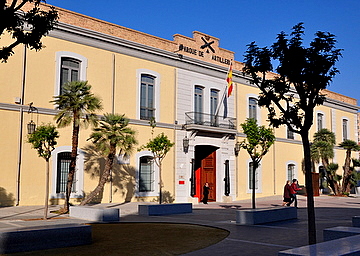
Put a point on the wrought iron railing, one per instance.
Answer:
(210, 120)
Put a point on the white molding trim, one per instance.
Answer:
(79, 173)
(65, 54)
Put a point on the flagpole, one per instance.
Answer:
(224, 94)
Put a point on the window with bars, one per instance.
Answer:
(146, 174)
(147, 98)
(63, 163)
(251, 176)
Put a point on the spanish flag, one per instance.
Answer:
(229, 81)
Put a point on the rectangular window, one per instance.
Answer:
(147, 104)
(198, 104)
(63, 164)
(214, 99)
(251, 176)
(253, 108)
(291, 172)
(70, 71)
(320, 119)
(345, 129)
(290, 134)
(146, 174)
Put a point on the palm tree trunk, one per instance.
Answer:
(46, 209)
(309, 188)
(346, 186)
(72, 167)
(104, 178)
(330, 178)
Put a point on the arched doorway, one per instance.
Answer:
(205, 170)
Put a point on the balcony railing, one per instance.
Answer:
(210, 120)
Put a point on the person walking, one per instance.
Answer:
(287, 193)
(206, 192)
(295, 189)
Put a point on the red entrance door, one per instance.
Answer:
(206, 171)
(208, 174)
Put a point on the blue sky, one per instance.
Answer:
(238, 22)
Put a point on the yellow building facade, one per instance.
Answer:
(179, 82)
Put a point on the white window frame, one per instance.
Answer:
(157, 79)
(317, 120)
(156, 176)
(79, 173)
(347, 128)
(256, 97)
(259, 172)
(295, 169)
(64, 54)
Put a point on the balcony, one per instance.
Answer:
(209, 123)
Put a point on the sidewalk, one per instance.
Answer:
(243, 240)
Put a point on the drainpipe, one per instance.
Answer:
(112, 111)
(21, 124)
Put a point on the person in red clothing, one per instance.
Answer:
(295, 189)
(287, 193)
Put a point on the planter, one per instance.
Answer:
(265, 215)
(164, 209)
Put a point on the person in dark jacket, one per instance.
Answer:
(206, 189)
(287, 193)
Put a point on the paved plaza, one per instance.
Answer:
(267, 239)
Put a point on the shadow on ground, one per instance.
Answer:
(142, 239)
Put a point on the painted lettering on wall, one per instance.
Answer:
(197, 52)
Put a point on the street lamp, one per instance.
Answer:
(31, 126)
(186, 144)
(237, 148)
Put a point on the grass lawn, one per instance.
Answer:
(142, 239)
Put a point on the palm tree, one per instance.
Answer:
(76, 105)
(323, 149)
(349, 145)
(112, 133)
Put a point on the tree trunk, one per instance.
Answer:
(46, 209)
(160, 183)
(346, 186)
(254, 165)
(104, 178)
(72, 167)
(330, 178)
(309, 188)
